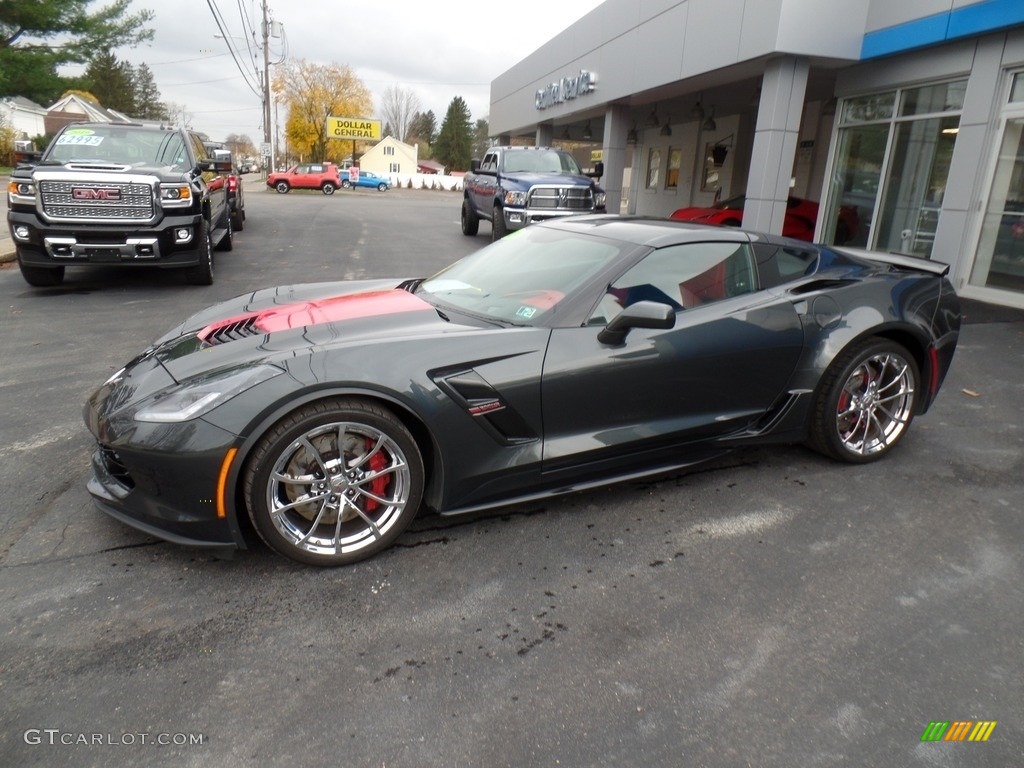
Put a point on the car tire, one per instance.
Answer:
(227, 243)
(865, 402)
(470, 221)
(382, 187)
(282, 187)
(202, 273)
(238, 219)
(322, 504)
(327, 188)
(41, 277)
(346, 184)
(498, 228)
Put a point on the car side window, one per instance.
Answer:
(779, 264)
(683, 276)
(490, 162)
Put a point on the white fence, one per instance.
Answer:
(425, 181)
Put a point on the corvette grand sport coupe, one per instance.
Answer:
(574, 353)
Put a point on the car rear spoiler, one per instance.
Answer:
(901, 260)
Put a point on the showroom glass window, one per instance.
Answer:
(999, 262)
(891, 164)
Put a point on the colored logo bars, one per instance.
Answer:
(958, 730)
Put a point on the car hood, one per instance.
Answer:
(271, 325)
(530, 178)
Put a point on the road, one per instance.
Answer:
(770, 609)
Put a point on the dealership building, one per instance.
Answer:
(903, 120)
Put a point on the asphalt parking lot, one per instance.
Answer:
(770, 609)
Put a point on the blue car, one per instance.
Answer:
(365, 179)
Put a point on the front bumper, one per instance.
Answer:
(519, 218)
(52, 245)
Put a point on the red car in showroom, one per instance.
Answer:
(801, 216)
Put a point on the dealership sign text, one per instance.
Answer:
(565, 89)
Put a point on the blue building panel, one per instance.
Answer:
(979, 18)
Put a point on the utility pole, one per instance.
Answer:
(266, 82)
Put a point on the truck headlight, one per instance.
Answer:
(599, 198)
(516, 199)
(26, 190)
(176, 195)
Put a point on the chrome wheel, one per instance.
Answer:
(338, 483)
(868, 402)
(876, 403)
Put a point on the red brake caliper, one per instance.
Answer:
(378, 485)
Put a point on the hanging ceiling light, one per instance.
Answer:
(710, 124)
(652, 119)
(565, 134)
(666, 129)
(631, 136)
(697, 113)
(587, 133)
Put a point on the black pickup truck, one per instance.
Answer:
(515, 186)
(119, 194)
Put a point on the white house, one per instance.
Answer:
(390, 157)
(24, 116)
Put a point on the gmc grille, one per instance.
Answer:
(561, 198)
(134, 201)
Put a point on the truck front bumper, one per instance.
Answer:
(174, 243)
(518, 218)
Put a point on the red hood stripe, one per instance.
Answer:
(329, 310)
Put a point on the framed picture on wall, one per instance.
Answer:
(653, 167)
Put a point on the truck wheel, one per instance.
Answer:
(498, 228)
(202, 273)
(281, 187)
(328, 188)
(41, 277)
(470, 222)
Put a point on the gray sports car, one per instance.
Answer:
(571, 354)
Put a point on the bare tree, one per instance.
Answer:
(397, 109)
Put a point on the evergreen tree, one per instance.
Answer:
(454, 146)
(481, 137)
(111, 82)
(147, 97)
(423, 128)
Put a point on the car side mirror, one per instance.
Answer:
(474, 165)
(643, 314)
(598, 171)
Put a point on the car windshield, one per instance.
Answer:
(541, 161)
(732, 204)
(523, 277)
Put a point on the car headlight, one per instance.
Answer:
(517, 199)
(198, 396)
(599, 198)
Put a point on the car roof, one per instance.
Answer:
(644, 230)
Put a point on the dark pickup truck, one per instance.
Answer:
(516, 186)
(119, 194)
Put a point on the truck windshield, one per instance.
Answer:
(113, 144)
(541, 161)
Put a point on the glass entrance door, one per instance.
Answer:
(999, 261)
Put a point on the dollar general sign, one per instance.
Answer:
(353, 128)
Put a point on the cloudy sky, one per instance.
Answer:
(439, 49)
